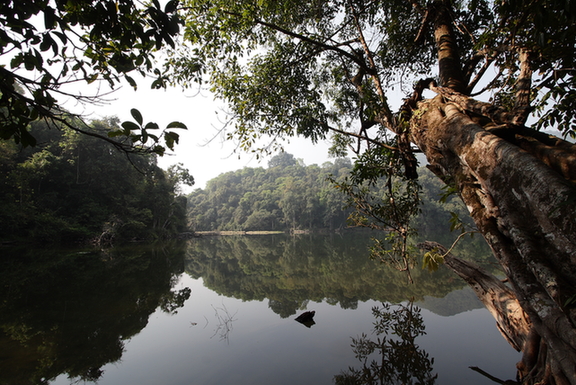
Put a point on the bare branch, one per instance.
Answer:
(362, 137)
(324, 46)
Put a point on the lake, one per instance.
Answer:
(221, 310)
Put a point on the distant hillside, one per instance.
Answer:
(291, 196)
(287, 195)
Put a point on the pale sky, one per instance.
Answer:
(197, 111)
(204, 117)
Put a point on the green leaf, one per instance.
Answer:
(432, 260)
(33, 114)
(49, 18)
(47, 42)
(27, 139)
(151, 126)
(171, 6)
(61, 36)
(136, 115)
(177, 125)
(160, 150)
(156, 84)
(570, 302)
(92, 78)
(132, 82)
(16, 61)
(171, 138)
(130, 126)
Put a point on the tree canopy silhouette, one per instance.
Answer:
(49, 48)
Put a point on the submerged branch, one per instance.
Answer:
(491, 377)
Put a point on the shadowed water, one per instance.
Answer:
(222, 310)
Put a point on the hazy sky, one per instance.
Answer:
(204, 117)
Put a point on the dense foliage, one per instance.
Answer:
(314, 68)
(286, 196)
(49, 48)
(73, 187)
(291, 196)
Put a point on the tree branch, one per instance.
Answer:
(362, 137)
(326, 47)
(523, 88)
(388, 118)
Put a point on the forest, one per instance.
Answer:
(471, 85)
(289, 196)
(75, 188)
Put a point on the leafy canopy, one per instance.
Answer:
(49, 48)
(310, 67)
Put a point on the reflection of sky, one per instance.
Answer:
(467, 339)
(263, 348)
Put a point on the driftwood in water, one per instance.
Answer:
(306, 318)
(498, 298)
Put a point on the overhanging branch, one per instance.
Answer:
(324, 46)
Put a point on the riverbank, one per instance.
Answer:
(239, 232)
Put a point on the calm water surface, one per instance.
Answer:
(222, 311)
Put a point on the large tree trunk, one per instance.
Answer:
(525, 210)
(519, 188)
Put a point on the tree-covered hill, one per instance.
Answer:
(72, 188)
(289, 195)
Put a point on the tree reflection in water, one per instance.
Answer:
(401, 361)
(71, 312)
(224, 325)
(289, 271)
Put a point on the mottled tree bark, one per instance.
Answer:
(526, 213)
(518, 186)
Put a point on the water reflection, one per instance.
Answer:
(73, 312)
(290, 271)
(393, 357)
(70, 312)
